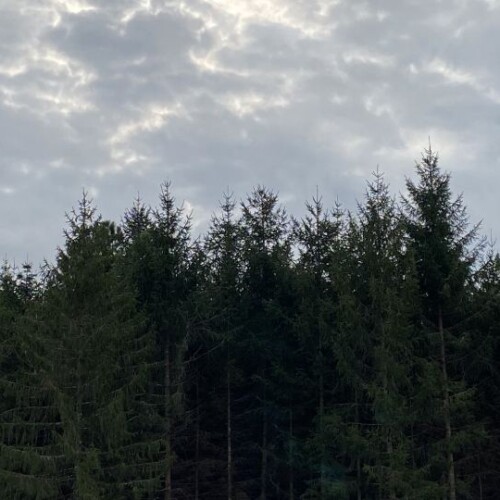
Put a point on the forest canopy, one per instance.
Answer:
(340, 355)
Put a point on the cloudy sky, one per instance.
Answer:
(116, 96)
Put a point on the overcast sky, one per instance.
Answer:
(116, 96)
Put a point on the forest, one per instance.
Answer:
(339, 355)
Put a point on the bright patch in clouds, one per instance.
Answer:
(307, 17)
(152, 120)
(74, 6)
(366, 57)
(460, 77)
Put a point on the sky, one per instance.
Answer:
(117, 96)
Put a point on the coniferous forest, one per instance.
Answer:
(341, 355)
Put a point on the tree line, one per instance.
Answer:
(342, 355)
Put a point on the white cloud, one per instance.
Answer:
(367, 57)
(459, 76)
(74, 6)
(122, 94)
(308, 18)
(121, 141)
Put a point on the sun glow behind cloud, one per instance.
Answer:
(150, 121)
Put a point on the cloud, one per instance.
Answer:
(120, 95)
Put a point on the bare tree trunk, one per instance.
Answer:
(480, 478)
(77, 444)
(358, 459)
(358, 475)
(197, 450)
(321, 420)
(447, 412)
(392, 494)
(388, 436)
(168, 424)
(290, 458)
(229, 435)
(263, 477)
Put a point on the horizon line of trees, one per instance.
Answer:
(336, 356)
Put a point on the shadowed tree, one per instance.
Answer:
(445, 252)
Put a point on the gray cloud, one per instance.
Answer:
(118, 95)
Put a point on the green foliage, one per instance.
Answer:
(337, 356)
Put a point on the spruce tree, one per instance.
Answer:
(29, 459)
(88, 335)
(338, 356)
(158, 253)
(319, 236)
(266, 256)
(483, 373)
(387, 292)
(445, 252)
(223, 248)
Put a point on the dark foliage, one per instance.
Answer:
(337, 356)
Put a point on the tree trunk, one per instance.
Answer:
(480, 479)
(358, 459)
(392, 494)
(168, 423)
(263, 477)
(197, 447)
(290, 458)
(388, 436)
(321, 420)
(229, 436)
(77, 444)
(447, 412)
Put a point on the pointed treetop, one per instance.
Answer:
(136, 219)
(82, 218)
(170, 218)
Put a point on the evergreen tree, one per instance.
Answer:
(136, 220)
(338, 356)
(387, 295)
(29, 460)
(483, 373)
(320, 241)
(87, 336)
(158, 254)
(266, 258)
(224, 291)
(445, 254)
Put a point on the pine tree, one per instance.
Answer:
(28, 458)
(444, 252)
(266, 257)
(224, 289)
(136, 220)
(387, 294)
(88, 333)
(158, 254)
(483, 373)
(338, 356)
(350, 354)
(320, 241)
